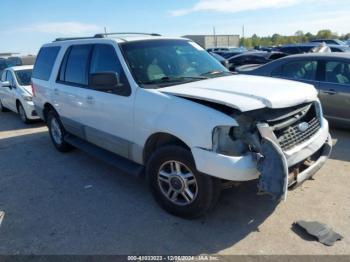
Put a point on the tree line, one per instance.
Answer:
(298, 37)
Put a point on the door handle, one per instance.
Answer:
(90, 99)
(330, 92)
(55, 90)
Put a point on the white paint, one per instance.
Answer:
(10, 96)
(247, 93)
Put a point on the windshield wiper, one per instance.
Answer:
(215, 72)
(169, 79)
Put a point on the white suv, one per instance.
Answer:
(16, 92)
(166, 105)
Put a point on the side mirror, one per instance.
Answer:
(106, 82)
(6, 84)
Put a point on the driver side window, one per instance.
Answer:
(300, 70)
(9, 78)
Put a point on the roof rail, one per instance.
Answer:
(102, 35)
(75, 38)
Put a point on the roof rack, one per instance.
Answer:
(102, 35)
(73, 38)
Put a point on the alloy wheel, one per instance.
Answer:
(177, 183)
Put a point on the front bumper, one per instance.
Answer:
(320, 157)
(244, 168)
(30, 110)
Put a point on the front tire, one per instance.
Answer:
(57, 132)
(22, 114)
(176, 184)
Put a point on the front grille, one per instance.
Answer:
(287, 129)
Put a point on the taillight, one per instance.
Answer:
(33, 89)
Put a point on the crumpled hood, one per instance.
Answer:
(246, 93)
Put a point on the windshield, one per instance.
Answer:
(23, 77)
(158, 63)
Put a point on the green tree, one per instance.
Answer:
(326, 34)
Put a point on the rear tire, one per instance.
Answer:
(57, 132)
(22, 114)
(176, 184)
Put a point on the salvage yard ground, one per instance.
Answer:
(55, 203)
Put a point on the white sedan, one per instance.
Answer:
(16, 92)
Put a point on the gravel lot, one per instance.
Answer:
(71, 203)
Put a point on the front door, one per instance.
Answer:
(112, 125)
(10, 98)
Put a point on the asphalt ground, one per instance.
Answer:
(54, 203)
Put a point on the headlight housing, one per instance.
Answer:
(27, 98)
(225, 143)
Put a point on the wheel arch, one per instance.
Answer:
(47, 108)
(158, 140)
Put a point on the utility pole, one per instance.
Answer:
(242, 34)
(214, 34)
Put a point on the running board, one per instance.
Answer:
(121, 163)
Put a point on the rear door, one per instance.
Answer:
(335, 90)
(71, 91)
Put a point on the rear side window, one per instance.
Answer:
(75, 70)
(338, 72)
(44, 62)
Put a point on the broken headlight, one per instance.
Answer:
(225, 143)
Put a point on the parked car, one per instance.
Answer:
(15, 61)
(306, 48)
(164, 105)
(329, 73)
(222, 60)
(16, 92)
(253, 58)
(329, 41)
(229, 52)
(3, 64)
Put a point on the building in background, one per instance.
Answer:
(209, 41)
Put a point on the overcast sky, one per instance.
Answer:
(26, 25)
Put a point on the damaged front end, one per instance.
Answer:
(281, 141)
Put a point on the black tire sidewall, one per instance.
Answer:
(63, 147)
(208, 187)
(26, 120)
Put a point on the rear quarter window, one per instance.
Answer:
(44, 62)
